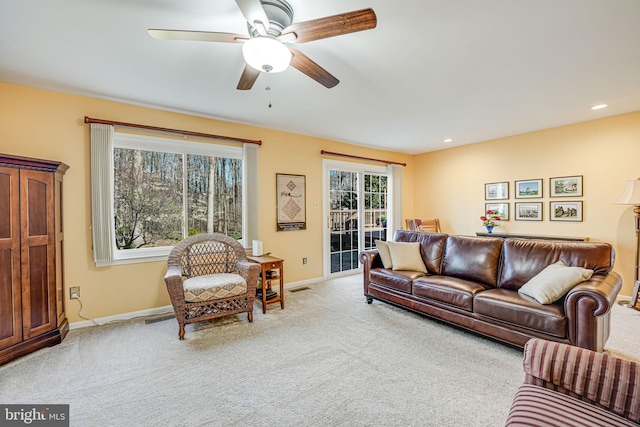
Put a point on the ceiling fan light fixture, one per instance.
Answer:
(266, 54)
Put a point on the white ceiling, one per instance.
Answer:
(470, 70)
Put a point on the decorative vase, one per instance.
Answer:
(489, 228)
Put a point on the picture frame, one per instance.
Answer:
(528, 189)
(565, 186)
(501, 209)
(496, 191)
(291, 203)
(528, 211)
(566, 211)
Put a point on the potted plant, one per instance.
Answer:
(489, 220)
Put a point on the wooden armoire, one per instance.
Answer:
(32, 312)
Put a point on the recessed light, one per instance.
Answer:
(448, 140)
(599, 106)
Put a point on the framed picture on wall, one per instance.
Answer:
(291, 202)
(529, 189)
(528, 211)
(500, 209)
(565, 211)
(565, 186)
(496, 191)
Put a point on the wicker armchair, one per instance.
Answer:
(208, 276)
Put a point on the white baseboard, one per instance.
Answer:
(158, 310)
(302, 283)
(123, 316)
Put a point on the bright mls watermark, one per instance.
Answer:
(34, 415)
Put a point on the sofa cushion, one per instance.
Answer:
(538, 406)
(431, 247)
(472, 258)
(448, 290)
(406, 256)
(400, 280)
(385, 255)
(553, 282)
(509, 306)
(524, 258)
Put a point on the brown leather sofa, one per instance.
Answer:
(473, 282)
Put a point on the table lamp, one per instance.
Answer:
(631, 196)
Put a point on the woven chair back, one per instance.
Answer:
(210, 257)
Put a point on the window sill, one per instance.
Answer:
(137, 256)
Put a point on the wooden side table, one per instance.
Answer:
(272, 270)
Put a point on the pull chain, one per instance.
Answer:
(268, 89)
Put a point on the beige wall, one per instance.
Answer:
(46, 124)
(449, 184)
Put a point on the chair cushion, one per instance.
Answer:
(213, 286)
(541, 407)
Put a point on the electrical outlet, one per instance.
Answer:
(304, 260)
(74, 292)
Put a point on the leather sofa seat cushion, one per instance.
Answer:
(526, 258)
(398, 279)
(431, 247)
(509, 306)
(472, 258)
(448, 290)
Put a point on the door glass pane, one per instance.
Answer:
(343, 214)
(350, 226)
(375, 211)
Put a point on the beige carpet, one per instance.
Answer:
(625, 330)
(328, 359)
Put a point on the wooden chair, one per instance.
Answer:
(424, 225)
(208, 276)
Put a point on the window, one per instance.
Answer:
(165, 190)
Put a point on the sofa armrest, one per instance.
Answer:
(597, 378)
(370, 259)
(587, 308)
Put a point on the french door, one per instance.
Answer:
(356, 209)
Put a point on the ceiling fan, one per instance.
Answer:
(270, 25)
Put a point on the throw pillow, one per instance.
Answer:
(383, 251)
(406, 256)
(554, 281)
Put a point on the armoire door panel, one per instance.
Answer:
(38, 290)
(10, 298)
(10, 289)
(38, 252)
(37, 207)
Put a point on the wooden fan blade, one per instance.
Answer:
(203, 36)
(248, 78)
(303, 63)
(331, 26)
(254, 14)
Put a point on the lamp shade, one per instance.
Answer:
(631, 193)
(266, 54)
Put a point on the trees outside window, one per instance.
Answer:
(160, 197)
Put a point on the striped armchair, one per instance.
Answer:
(572, 386)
